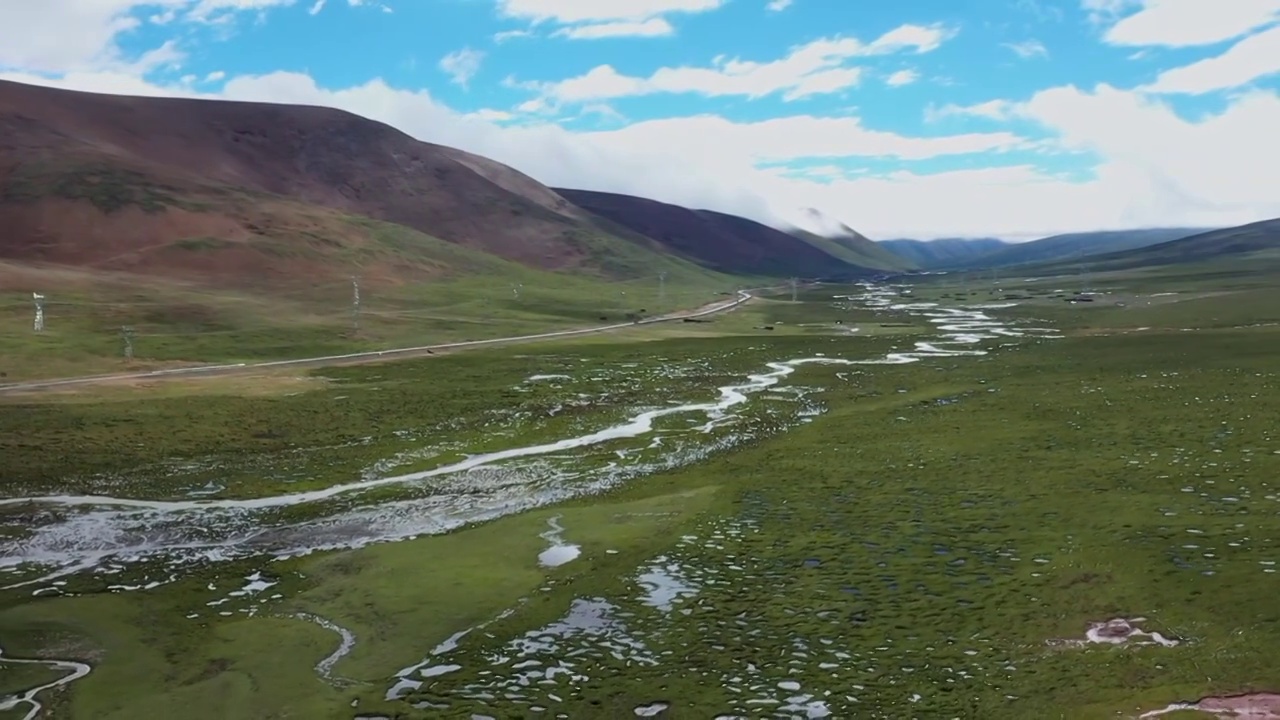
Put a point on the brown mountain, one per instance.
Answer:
(231, 188)
(726, 243)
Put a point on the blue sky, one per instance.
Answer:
(918, 117)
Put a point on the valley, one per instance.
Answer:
(925, 515)
(302, 416)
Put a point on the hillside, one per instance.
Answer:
(943, 252)
(843, 242)
(1225, 243)
(725, 243)
(1076, 245)
(241, 192)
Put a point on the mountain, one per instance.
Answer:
(1076, 245)
(943, 252)
(725, 243)
(255, 191)
(1243, 240)
(843, 242)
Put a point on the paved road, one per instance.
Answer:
(207, 370)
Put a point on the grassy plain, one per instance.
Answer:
(914, 551)
(188, 323)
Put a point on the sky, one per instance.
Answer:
(912, 118)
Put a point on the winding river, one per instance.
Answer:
(80, 532)
(74, 671)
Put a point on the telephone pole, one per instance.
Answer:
(794, 283)
(355, 304)
(39, 301)
(126, 332)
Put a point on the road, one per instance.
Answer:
(408, 352)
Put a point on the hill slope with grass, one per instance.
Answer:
(232, 192)
(1233, 243)
(222, 231)
(843, 242)
(943, 252)
(717, 241)
(1064, 248)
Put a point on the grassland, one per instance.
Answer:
(914, 551)
(176, 324)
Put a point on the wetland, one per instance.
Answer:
(899, 503)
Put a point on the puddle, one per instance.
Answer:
(560, 552)
(665, 584)
(1120, 631)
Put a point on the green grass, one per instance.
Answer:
(175, 324)
(928, 535)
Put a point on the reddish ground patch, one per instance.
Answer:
(1254, 706)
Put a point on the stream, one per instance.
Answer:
(75, 671)
(73, 533)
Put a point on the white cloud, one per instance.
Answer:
(1253, 57)
(779, 5)
(902, 77)
(215, 76)
(1028, 49)
(816, 68)
(488, 115)
(206, 10)
(462, 65)
(1041, 11)
(920, 38)
(577, 11)
(1181, 23)
(59, 36)
(317, 7)
(992, 110)
(653, 27)
(506, 35)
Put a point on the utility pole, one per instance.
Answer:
(355, 304)
(39, 301)
(794, 283)
(126, 332)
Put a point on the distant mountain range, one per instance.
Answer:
(944, 252)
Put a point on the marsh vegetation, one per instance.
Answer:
(936, 517)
